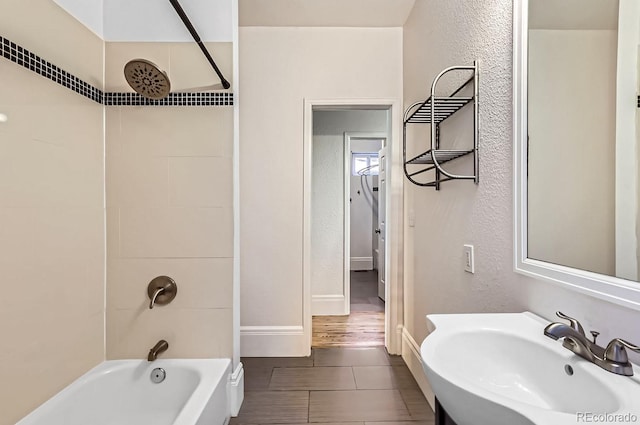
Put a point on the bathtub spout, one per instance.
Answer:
(160, 347)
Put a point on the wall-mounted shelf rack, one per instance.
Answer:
(434, 111)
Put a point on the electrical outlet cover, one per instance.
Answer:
(468, 259)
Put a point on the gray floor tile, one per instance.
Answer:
(360, 405)
(396, 361)
(366, 307)
(334, 423)
(313, 378)
(274, 407)
(257, 378)
(376, 299)
(416, 403)
(359, 300)
(383, 377)
(277, 361)
(350, 357)
(401, 423)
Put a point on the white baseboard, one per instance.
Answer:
(361, 263)
(413, 359)
(273, 341)
(328, 305)
(236, 393)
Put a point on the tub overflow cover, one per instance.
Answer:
(157, 375)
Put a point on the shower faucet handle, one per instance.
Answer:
(573, 322)
(161, 290)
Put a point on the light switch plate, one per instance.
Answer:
(468, 259)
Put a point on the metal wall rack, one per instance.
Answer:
(434, 111)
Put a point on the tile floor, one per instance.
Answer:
(364, 291)
(338, 386)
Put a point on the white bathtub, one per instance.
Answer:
(120, 392)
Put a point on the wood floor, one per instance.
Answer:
(364, 327)
(358, 386)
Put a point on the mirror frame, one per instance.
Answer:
(607, 288)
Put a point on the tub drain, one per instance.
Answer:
(157, 375)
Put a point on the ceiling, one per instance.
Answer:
(152, 20)
(324, 13)
(573, 14)
(155, 20)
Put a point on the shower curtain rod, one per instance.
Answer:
(196, 38)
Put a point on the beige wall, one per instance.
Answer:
(572, 131)
(280, 68)
(46, 29)
(51, 211)
(436, 35)
(169, 199)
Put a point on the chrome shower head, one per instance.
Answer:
(147, 79)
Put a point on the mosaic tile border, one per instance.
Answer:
(174, 99)
(23, 57)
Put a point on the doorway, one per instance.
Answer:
(394, 311)
(365, 184)
(347, 227)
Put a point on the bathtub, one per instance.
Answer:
(121, 392)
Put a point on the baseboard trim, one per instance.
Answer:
(361, 263)
(273, 341)
(413, 359)
(236, 393)
(327, 305)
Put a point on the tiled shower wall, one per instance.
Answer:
(169, 209)
(168, 205)
(51, 210)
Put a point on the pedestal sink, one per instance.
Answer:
(499, 369)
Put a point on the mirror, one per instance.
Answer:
(572, 133)
(576, 145)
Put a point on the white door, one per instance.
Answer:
(382, 217)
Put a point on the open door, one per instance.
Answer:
(382, 195)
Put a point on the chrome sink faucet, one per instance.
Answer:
(613, 358)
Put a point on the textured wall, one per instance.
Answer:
(51, 211)
(327, 216)
(439, 34)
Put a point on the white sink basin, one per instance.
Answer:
(500, 369)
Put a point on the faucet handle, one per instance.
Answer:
(616, 352)
(573, 322)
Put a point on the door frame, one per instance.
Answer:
(394, 310)
(347, 207)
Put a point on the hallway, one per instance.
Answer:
(361, 386)
(364, 327)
